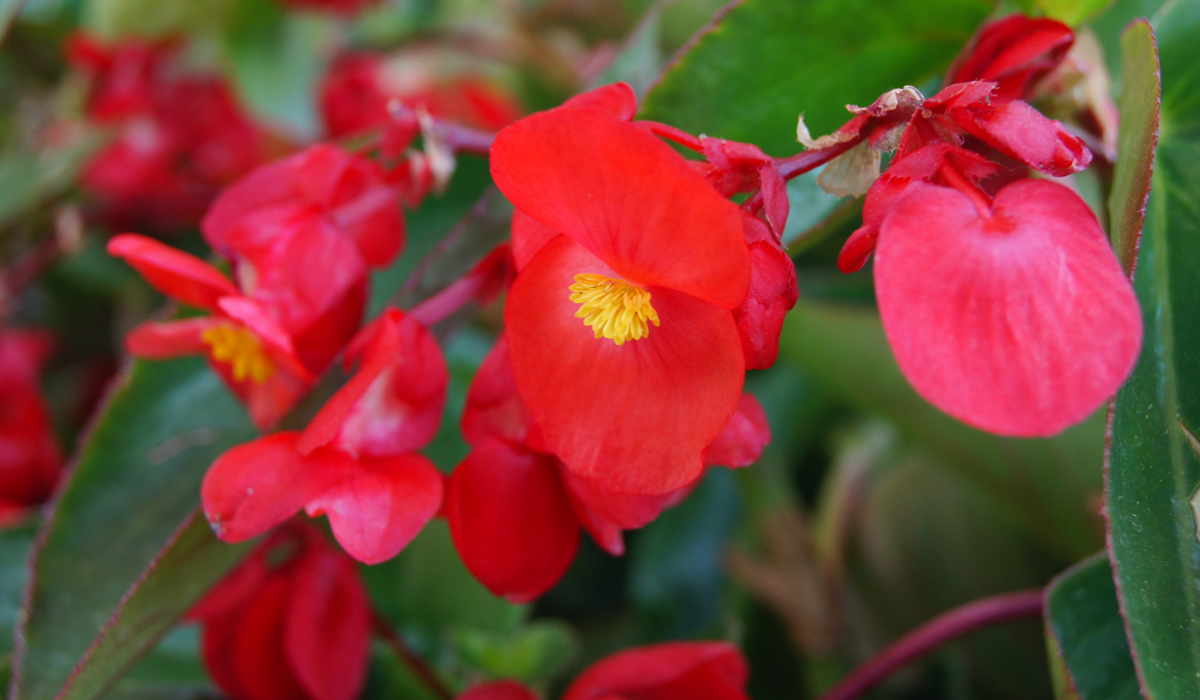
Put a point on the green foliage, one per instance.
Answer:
(1153, 469)
(766, 61)
(136, 482)
(535, 652)
(1085, 635)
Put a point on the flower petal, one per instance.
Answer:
(511, 520)
(605, 514)
(742, 441)
(327, 633)
(173, 272)
(528, 237)
(613, 413)
(1021, 324)
(254, 487)
(499, 690)
(255, 653)
(671, 671)
(618, 99)
(629, 198)
(377, 510)
(161, 341)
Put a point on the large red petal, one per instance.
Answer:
(1021, 324)
(327, 633)
(257, 658)
(629, 198)
(511, 520)
(528, 237)
(605, 514)
(671, 671)
(381, 506)
(742, 441)
(254, 487)
(173, 272)
(616, 414)
(618, 99)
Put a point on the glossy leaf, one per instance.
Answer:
(1051, 485)
(1152, 469)
(137, 479)
(1086, 636)
(192, 562)
(763, 62)
(1139, 109)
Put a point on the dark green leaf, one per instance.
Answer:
(676, 570)
(1152, 469)
(1085, 633)
(1139, 109)
(15, 543)
(1052, 485)
(137, 479)
(193, 561)
(750, 75)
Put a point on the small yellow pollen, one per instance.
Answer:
(241, 349)
(613, 308)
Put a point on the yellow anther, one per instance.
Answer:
(241, 349)
(613, 308)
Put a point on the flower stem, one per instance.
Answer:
(1023, 605)
(412, 659)
(802, 162)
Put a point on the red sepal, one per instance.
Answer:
(744, 438)
(511, 520)
(671, 671)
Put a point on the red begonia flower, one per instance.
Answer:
(30, 460)
(1014, 52)
(499, 690)
(662, 300)
(356, 463)
(179, 137)
(324, 183)
(671, 671)
(292, 622)
(246, 344)
(356, 92)
(1011, 315)
(515, 512)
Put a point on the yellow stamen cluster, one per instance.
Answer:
(613, 308)
(240, 348)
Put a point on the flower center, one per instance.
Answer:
(614, 309)
(240, 348)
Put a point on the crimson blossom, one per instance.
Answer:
(356, 462)
(292, 622)
(1000, 295)
(515, 512)
(180, 136)
(624, 315)
(671, 671)
(30, 460)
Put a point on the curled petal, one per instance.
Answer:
(773, 292)
(254, 487)
(1015, 52)
(1021, 323)
(376, 510)
(744, 438)
(511, 520)
(612, 412)
(629, 198)
(605, 514)
(1020, 131)
(173, 272)
(671, 671)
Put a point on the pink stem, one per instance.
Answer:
(671, 133)
(794, 166)
(1023, 605)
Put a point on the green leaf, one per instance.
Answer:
(1152, 469)
(192, 562)
(29, 179)
(676, 563)
(1139, 109)
(15, 544)
(1072, 12)
(1052, 485)
(751, 74)
(136, 481)
(537, 652)
(1086, 636)
(117, 19)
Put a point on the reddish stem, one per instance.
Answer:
(1010, 607)
(794, 166)
(412, 659)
